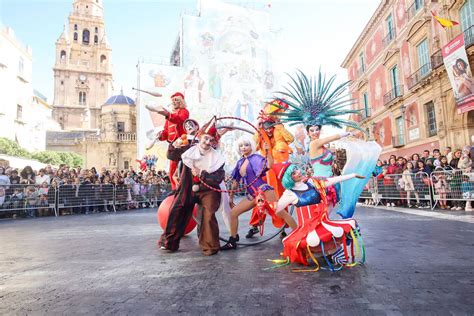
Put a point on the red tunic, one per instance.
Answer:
(174, 128)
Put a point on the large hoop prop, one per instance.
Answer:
(244, 188)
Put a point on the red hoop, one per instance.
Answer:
(244, 188)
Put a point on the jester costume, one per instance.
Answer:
(191, 191)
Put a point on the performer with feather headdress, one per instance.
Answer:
(314, 102)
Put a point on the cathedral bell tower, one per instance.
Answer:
(82, 71)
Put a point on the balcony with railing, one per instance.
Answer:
(414, 8)
(419, 75)
(389, 37)
(393, 94)
(127, 137)
(436, 59)
(469, 36)
(398, 140)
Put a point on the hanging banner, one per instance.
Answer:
(459, 72)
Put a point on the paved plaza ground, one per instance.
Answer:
(110, 264)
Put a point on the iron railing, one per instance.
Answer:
(419, 75)
(365, 113)
(436, 59)
(414, 8)
(389, 37)
(398, 140)
(396, 92)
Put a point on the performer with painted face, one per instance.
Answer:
(316, 234)
(249, 171)
(273, 140)
(321, 157)
(173, 129)
(313, 102)
(314, 109)
(202, 164)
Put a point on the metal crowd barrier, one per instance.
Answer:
(37, 200)
(78, 198)
(28, 199)
(453, 185)
(408, 188)
(139, 195)
(420, 189)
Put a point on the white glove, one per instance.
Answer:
(345, 134)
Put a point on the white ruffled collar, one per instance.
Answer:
(193, 154)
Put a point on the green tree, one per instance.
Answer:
(11, 148)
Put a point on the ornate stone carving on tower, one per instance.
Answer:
(82, 71)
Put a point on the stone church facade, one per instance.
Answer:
(94, 124)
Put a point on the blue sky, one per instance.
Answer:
(314, 32)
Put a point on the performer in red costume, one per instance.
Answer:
(173, 129)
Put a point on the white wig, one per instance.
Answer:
(244, 139)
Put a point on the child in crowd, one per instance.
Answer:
(467, 192)
(31, 197)
(441, 186)
(409, 186)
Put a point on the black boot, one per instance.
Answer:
(231, 244)
(252, 231)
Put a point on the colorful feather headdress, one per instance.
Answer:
(314, 101)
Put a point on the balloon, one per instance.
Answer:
(164, 211)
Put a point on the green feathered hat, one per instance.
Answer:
(315, 101)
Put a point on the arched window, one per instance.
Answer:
(96, 39)
(75, 27)
(96, 29)
(85, 36)
(82, 98)
(63, 56)
(103, 59)
(75, 36)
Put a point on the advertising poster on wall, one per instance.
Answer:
(459, 72)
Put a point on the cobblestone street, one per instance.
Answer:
(110, 264)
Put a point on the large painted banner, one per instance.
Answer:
(227, 58)
(459, 72)
(226, 70)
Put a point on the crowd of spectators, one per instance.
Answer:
(407, 179)
(403, 181)
(34, 193)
